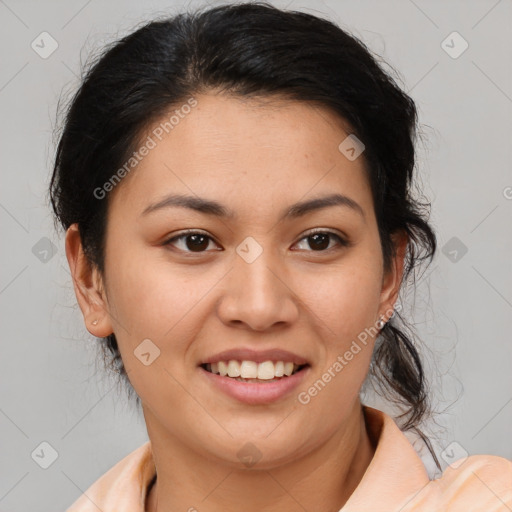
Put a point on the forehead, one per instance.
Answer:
(244, 151)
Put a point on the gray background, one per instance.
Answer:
(53, 390)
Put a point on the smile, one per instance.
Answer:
(254, 383)
(251, 371)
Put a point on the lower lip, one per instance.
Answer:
(254, 393)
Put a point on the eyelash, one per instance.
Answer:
(341, 241)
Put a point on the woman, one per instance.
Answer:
(235, 186)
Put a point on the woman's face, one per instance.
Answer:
(251, 284)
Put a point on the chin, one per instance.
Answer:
(260, 453)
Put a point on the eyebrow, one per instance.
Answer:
(214, 208)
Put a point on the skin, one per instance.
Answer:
(256, 159)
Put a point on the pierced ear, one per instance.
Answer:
(392, 279)
(88, 286)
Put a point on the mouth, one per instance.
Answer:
(255, 377)
(252, 371)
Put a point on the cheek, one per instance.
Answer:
(144, 305)
(146, 296)
(156, 300)
(149, 301)
(346, 299)
(346, 306)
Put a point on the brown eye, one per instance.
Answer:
(190, 242)
(197, 242)
(320, 241)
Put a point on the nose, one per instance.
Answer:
(258, 295)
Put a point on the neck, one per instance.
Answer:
(322, 480)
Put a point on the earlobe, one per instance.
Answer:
(88, 286)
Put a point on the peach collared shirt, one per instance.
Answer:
(395, 481)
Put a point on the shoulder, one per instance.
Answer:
(478, 482)
(121, 487)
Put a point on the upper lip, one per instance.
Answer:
(258, 356)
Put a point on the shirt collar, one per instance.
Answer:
(396, 472)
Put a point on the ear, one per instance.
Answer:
(88, 284)
(392, 279)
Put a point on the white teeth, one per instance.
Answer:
(267, 370)
(233, 369)
(249, 370)
(288, 368)
(223, 368)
